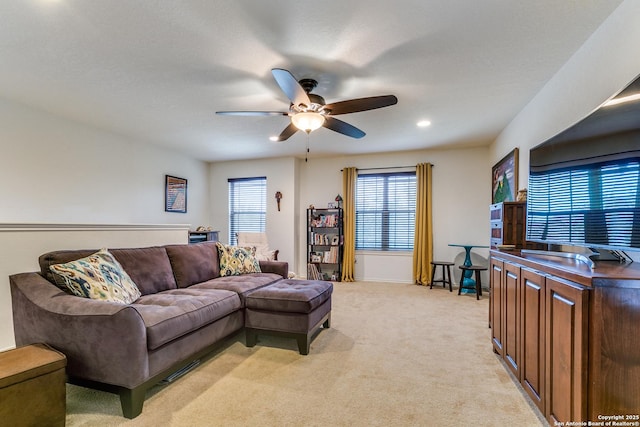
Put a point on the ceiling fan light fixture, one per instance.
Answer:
(307, 121)
(309, 111)
(622, 100)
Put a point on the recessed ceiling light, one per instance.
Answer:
(273, 138)
(423, 123)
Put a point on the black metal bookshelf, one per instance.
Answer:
(325, 244)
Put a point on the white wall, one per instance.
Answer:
(281, 225)
(57, 171)
(460, 199)
(606, 63)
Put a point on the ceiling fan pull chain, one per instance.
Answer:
(306, 156)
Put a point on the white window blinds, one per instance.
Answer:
(385, 211)
(597, 205)
(247, 206)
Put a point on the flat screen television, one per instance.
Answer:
(584, 183)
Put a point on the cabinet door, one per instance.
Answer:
(495, 304)
(532, 335)
(508, 223)
(566, 351)
(519, 224)
(614, 349)
(512, 317)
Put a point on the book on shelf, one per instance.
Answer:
(331, 256)
(324, 220)
(312, 272)
(325, 257)
(324, 239)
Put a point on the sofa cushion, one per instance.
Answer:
(98, 276)
(168, 315)
(193, 263)
(148, 267)
(241, 285)
(290, 295)
(235, 260)
(60, 257)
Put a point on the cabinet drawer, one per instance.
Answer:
(495, 211)
(495, 243)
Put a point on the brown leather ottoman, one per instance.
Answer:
(32, 386)
(291, 308)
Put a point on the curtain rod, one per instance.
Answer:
(388, 167)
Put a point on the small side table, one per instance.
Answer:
(32, 386)
(466, 282)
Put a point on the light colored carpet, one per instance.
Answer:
(395, 355)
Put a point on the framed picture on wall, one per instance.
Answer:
(504, 176)
(175, 194)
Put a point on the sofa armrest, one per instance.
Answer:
(103, 341)
(278, 267)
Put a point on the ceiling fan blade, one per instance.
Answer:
(252, 113)
(361, 104)
(287, 132)
(291, 87)
(342, 127)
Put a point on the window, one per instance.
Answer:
(385, 211)
(595, 205)
(247, 206)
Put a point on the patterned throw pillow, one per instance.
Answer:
(236, 260)
(98, 276)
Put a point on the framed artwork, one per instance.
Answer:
(504, 176)
(175, 194)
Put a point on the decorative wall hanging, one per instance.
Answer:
(505, 178)
(175, 194)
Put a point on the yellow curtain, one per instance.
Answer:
(349, 177)
(423, 239)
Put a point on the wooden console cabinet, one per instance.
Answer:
(569, 335)
(508, 225)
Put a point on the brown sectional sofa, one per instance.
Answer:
(185, 310)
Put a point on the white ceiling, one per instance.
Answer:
(157, 71)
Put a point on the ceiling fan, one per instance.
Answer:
(309, 111)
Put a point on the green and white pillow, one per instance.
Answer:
(235, 260)
(98, 276)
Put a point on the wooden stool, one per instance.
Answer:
(472, 268)
(446, 274)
